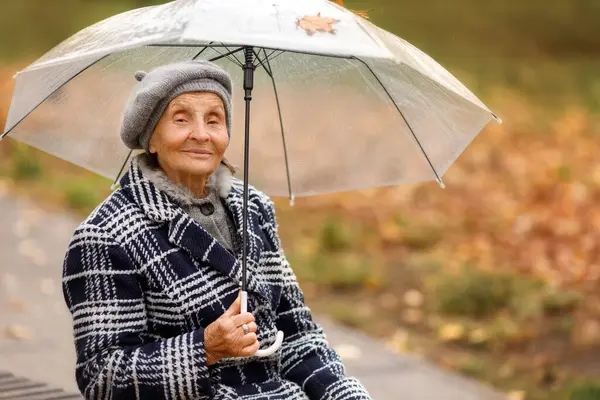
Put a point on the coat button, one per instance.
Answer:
(207, 209)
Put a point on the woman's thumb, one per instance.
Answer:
(235, 307)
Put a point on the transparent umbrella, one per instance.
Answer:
(337, 103)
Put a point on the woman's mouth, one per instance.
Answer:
(199, 153)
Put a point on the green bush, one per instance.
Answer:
(336, 272)
(557, 302)
(25, 165)
(473, 293)
(80, 198)
(586, 391)
(334, 236)
(84, 193)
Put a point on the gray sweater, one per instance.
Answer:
(209, 212)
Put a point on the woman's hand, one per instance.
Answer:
(225, 337)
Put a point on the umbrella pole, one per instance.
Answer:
(248, 86)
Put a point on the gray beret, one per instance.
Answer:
(157, 88)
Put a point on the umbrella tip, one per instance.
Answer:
(292, 200)
(441, 184)
(114, 186)
(16, 74)
(497, 118)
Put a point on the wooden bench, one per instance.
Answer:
(17, 388)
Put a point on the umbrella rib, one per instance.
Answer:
(280, 53)
(309, 53)
(50, 95)
(272, 52)
(234, 56)
(267, 59)
(227, 55)
(269, 72)
(201, 51)
(437, 177)
(121, 170)
(260, 63)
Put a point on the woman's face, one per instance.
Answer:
(191, 135)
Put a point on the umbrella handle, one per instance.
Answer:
(278, 340)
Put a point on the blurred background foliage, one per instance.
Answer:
(497, 276)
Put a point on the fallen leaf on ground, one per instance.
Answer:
(451, 332)
(478, 336)
(47, 287)
(21, 228)
(586, 333)
(315, 23)
(348, 351)
(399, 342)
(412, 316)
(18, 332)
(17, 305)
(413, 298)
(10, 282)
(27, 248)
(388, 301)
(507, 370)
(59, 308)
(38, 257)
(3, 188)
(517, 395)
(32, 215)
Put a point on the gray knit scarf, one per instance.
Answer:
(209, 212)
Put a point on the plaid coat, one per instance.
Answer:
(142, 279)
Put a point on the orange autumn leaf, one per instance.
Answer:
(360, 13)
(316, 23)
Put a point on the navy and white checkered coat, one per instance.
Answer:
(142, 279)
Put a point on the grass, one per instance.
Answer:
(585, 391)
(472, 293)
(24, 165)
(337, 272)
(476, 294)
(335, 235)
(53, 181)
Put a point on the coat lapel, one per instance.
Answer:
(185, 233)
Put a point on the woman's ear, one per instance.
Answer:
(151, 145)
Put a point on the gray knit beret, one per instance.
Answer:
(157, 88)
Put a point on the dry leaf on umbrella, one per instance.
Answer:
(314, 23)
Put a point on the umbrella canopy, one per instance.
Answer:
(338, 103)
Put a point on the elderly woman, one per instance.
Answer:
(152, 276)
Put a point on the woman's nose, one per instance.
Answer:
(200, 132)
